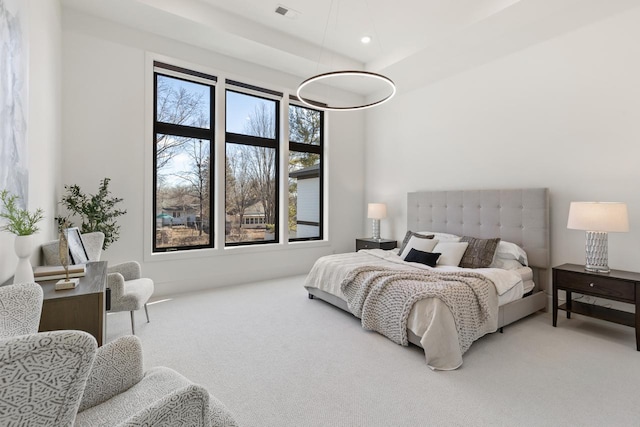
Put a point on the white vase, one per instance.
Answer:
(24, 249)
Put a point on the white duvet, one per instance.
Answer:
(430, 318)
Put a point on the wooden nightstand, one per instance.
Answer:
(368, 243)
(617, 285)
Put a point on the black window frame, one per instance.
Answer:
(256, 141)
(172, 129)
(315, 149)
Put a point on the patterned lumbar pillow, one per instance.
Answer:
(479, 253)
(408, 236)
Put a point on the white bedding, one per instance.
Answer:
(430, 318)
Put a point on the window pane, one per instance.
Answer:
(304, 195)
(250, 193)
(184, 103)
(250, 115)
(304, 125)
(182, 192)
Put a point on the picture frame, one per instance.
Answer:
(77, 251)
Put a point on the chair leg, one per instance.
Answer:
(133, 329)
(146, 312)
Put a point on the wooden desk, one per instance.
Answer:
(82, 308)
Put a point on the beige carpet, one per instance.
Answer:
(277, 358)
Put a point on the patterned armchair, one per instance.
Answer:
(61, 378)
(129, 290)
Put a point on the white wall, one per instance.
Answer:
(563, 114)
(104, 124)
(43, 127)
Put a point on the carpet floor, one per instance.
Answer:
(277, 358)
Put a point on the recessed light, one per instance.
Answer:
(365, 39)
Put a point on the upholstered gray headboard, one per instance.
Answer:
(520, 216)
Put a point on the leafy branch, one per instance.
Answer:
(98, 212)
(20, 222)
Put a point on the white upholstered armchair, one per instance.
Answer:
(61, 378)
(129, 290)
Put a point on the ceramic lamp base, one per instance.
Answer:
(596, 248)
(376, 229)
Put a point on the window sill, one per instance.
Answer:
(234, 250)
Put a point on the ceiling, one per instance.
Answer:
(441, 37)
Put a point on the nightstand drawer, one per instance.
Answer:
(596, 285)
(385, 244)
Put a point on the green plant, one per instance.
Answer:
(21, 222)
(98, 211)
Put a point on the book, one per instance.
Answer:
(52, 272)
(59, 276)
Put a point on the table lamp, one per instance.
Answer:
(376, 212)
(598, 219)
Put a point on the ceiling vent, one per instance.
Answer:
(287, 12)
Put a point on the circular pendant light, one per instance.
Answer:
(346, 73)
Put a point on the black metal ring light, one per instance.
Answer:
(367, 74)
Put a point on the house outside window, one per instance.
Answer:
(183, 140)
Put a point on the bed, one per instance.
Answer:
(517, 216)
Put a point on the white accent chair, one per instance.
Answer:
(61, 378)
(129, 290)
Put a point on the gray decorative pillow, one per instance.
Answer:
(408, 236)
(479, 253)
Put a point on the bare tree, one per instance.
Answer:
(251, 170)
(263, 159)
(240, 187)
(197, 176)
(263, 171)
(176, 105)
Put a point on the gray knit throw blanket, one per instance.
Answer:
(382, 298)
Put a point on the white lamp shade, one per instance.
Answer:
(377, 211)
(598, 216)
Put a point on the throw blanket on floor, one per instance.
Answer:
(382, 298)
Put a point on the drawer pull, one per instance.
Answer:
(591, 284)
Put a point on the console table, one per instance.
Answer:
(82, 308)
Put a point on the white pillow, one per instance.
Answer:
(442, 236)
(506, 264)
(424, 245)
(451, 252)
(508, 250)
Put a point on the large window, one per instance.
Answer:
(261, 204)
(251, 172)
(183, 142)
(305, 173)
